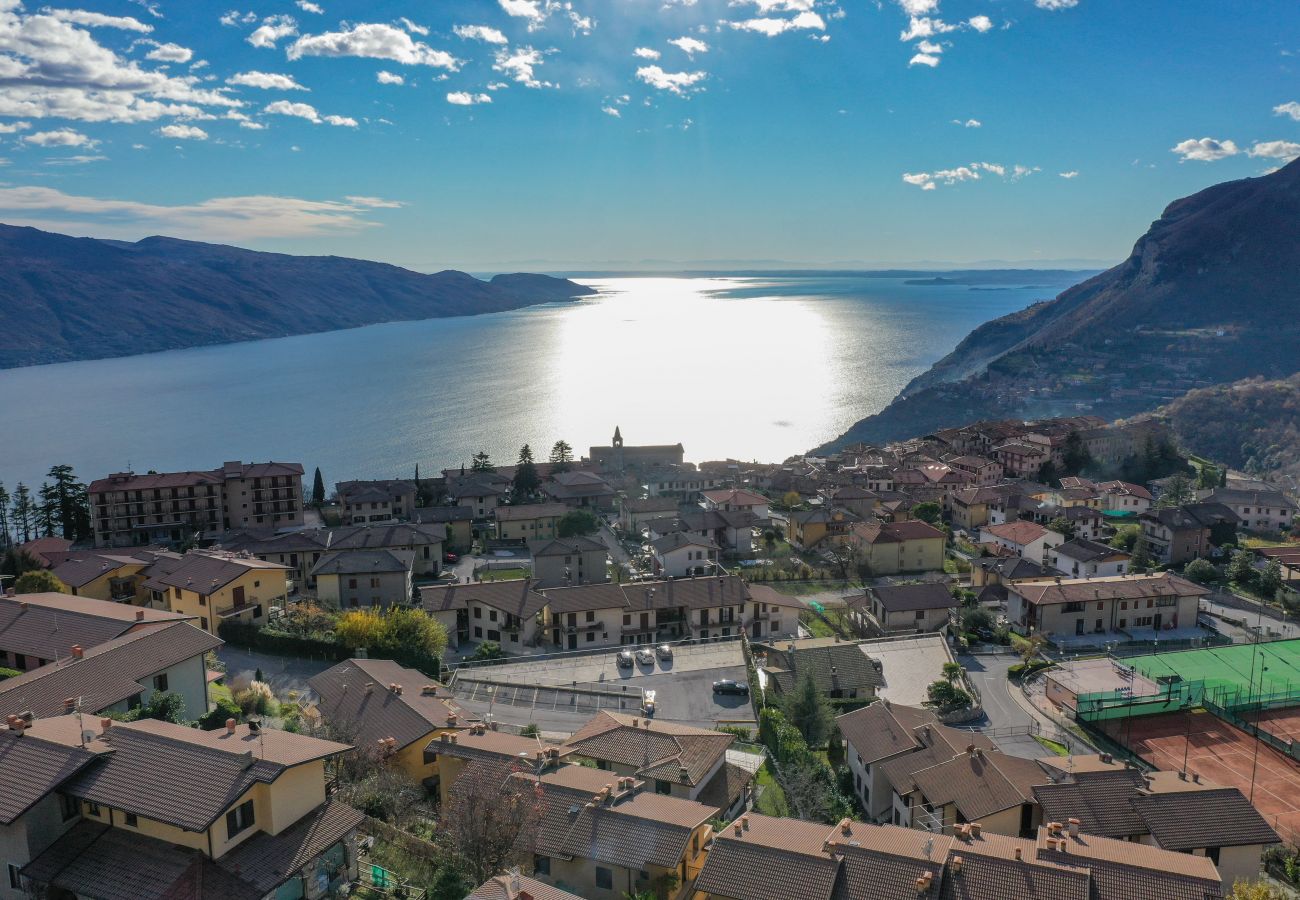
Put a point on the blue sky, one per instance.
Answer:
(571, 134)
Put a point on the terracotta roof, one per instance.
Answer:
(736, 498)
(772, 859)
(650, 504)
(503, 887)
(833, 666)
(377, 713)
(565, 546)
(108, 673)
(1019, 532)
(655, 749)
(1115, 587)
(33, 768)
(679, 539)
(980, 783)
(526, 511)
(896, 532)
(725, 787)
(78, 569)
(267, 860)
(150, 771)
(909, 597)
(492, 746)
(47, 626)
(1099, 800)
(352, 562)
(875, 734)
(205, 571)
(1191, 820)
(584, 597)
(516, 597)
(1013, 568)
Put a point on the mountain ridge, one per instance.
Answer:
(66, 298)
(1210, 291)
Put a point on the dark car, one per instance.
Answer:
(450, 558)
(625, 659)
(727, 686)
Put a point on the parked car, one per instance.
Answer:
(450, 558)
(664, 651)
(727, 686)
(625, 659)
(645, 656)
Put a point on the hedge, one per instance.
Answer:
(8, 673)
(270, 640)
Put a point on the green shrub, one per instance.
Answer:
(222, 710)
(8, 673)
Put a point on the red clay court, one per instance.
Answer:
(1224, 755)
(1283, 724)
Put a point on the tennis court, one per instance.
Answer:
(1269, 668)
(1283, 724)
(1222, 754)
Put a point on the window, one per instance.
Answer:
(204, 621)
(352, 583)
(492, 615)
(478, 631)
(591, 615)
(92, 809)
(541, 865)
(662, 786)
(131, 821)
(160, 682)
(478, 612)
(203, 599)
(591, 637)
(15, 880)
(239, 819)
(604, 878)
(69, 807)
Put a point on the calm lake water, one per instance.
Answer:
(751, 368)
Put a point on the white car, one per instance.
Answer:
(645, 657)
(664, 651)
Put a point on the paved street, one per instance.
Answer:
(1254, 614)
(989, 675)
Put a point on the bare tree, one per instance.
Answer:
(491, 819)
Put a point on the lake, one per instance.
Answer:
(755, 368)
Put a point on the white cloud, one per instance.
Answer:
(183, 132)
(524, 9)
(1291, 108)
(611, 111)
(373, 41)
(918, 7)
(412, 27)
(14, 127)
(929, 181)
(581, 24)
(925, 27)
(1285, 150)
(690, 46)
(1068, 175)
(675, 82)
(272, 29)
(646, 53)
(61, 137)
(480, 33)
(235, 18)
(80, 160)
(772, 27)
(465, 98)
(1055, 4)
(980, 23)
(520, 64)
(1204, 149)
(220, 218)
(98, 20)
(968, 123)
(269, 81)
(170, 53)
(309, 7)
(766, 7)
(924, 59)
(389, 78)
(308, 112)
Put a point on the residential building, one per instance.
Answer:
(634, 513)
(1170, 810)
(840, 669)
(860, 501)
(114, 577)
(391, 711)
(901, 608)
(1121, 607)
(990, 575)
(811, 528)
(577, 618)
(731, 531)
(581, 490)
(457, 520)
(762, 858)
(1023, 538)
(300, 551)
(36, 629)
(1256, 510)
(986, 471)
(737, 500)
(479, 492)
(676, 760)
(214, 585)
(376, 502)
(506, 612)
(529, 521)
(617, 457)
(167, 811)
(518, 887)
(682, 483)
(681, 554)
(770, 614)
(117, 675)
(48, 550)
(1179, 534)
(1082, 558)
(478, 747)
(1021, 459)
(348, 579)
(990, 787)
(129, 510)
(970, 506)
(572, 560)
(1122, 496)
(893, 548)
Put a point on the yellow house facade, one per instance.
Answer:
(213, 587)
(891, 548)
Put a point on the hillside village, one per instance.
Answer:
(1010, 659)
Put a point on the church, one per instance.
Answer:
(618, 458)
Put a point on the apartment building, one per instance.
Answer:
(529, 521)
(302, 550)
(892, 548)
(348, 579)
(214, 585)
(570, 560)
(36, 629)
(1125, 607)
(507, 612)
(376, 502)
(130, 510)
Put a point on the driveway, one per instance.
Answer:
(1001, 711)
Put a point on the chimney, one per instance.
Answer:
(1107, 758)
(846, 826)
(1074, 827)
(744, 820)
(443, 737)
(1053, 828)
(105, 724)
(69, 704)
(451, 719)
(430, 690)
(956, 865)
(739, 829)
(1017, 853)
(1182, 776)
(1196, 777)
(453, 738)
(139, 615)
(684, 773)
(975, 828)
(370, 686)
(970, 749)
(230, 726)
(77, 652)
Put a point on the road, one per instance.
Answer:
(1235, 607)
(989, 675)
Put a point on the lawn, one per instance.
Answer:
(814, 624)
(1256, 543)
(771, 799)
(1055, 746)
(504, 575)
(804, 588)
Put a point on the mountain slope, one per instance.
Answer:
(1209, 294)
(1252, 424)
(64, 298)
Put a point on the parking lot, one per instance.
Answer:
(562, 693)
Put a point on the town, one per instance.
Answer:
(1055, 658)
